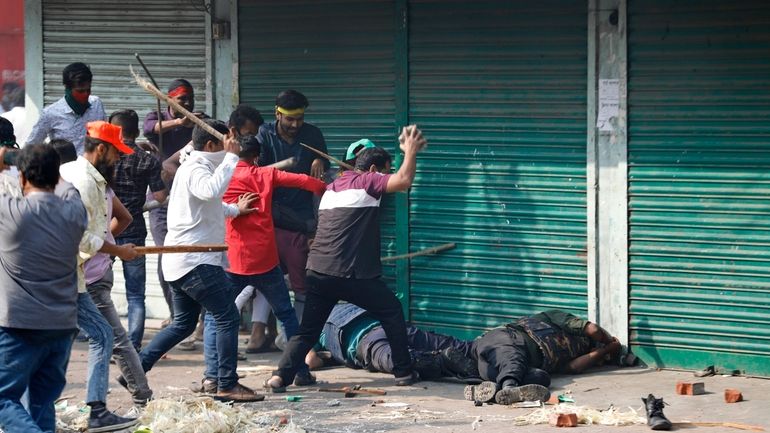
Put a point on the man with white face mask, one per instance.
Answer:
(196, 215)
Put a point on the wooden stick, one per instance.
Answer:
(424, 252)
(181, 249)
(160, 113)
(734, 425)
(146, 85)
(342, 164)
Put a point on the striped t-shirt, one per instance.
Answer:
(347, 242)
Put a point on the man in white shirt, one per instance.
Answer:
(67, 118)
(196, 215)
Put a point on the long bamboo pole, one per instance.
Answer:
(424, 252)
(167, 249)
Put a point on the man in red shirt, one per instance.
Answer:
(253, 252)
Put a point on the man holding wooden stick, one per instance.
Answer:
(344, 261)
(197, 216)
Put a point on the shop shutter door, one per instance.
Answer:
(699, 168)
(340, 54)
(170, 37)
(500, 89)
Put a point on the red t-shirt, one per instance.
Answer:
(251, 238)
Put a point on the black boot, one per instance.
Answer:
(655, 418)
(102, 420)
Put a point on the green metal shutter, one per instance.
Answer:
(500, 90)
(105, 35)
(699, 187)
(340, 54)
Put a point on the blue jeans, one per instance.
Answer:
(35, 360)
(100, 339)
(273, 286)
(205, 286)
(135, 274)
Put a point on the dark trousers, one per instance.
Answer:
(323, 293)
(502, 356)
(207, 286)
(374, 353)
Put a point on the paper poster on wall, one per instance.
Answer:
(608, 104)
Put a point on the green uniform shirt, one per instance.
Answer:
(569, 323)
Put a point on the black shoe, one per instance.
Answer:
(106, 421)
(408, 380)
(655, 418)
(481, 393)
(516, 394)
(458, 364)
(304, 379)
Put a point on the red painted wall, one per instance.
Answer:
(12, 41)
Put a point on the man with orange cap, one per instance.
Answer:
(91, 175)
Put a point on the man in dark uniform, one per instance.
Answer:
(552, 341)
(354, 338)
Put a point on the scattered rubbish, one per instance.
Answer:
(143, 429)
(478, 403)
(527, 404)
(733, 395)
(553, 400)
(71, 418)
(283, 420)
(376, 402)
(591, 389)
(475, 424)
(706, 372)
(395, 404)
(352, 391)
(585, 415)
(333, 403)
(734, 425)
(293, 397)
(564, 399)
(563, 420)
(690, 388)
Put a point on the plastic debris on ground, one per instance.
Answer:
(586, 416)
(187, 415)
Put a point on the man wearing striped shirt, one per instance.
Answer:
(344, 261)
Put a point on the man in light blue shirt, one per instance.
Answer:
(67, 118)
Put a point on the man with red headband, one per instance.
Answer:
(91, 175)
(176, 131)
(66, 118)
(293, 210)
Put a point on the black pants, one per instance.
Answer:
(323, 293)
(503, 356)
(375, 354)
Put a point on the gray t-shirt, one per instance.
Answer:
(39, 238)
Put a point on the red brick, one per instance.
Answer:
(563, 420)
(690, 388)
(733, 396)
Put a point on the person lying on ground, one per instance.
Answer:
(553, 341)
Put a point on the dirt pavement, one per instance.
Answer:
(439, 406)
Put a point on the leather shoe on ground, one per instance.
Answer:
(238, 394)
(187, 346)
(655, 418)
(107, 421)
(206, 386)
(516, 394)
(483, 392)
